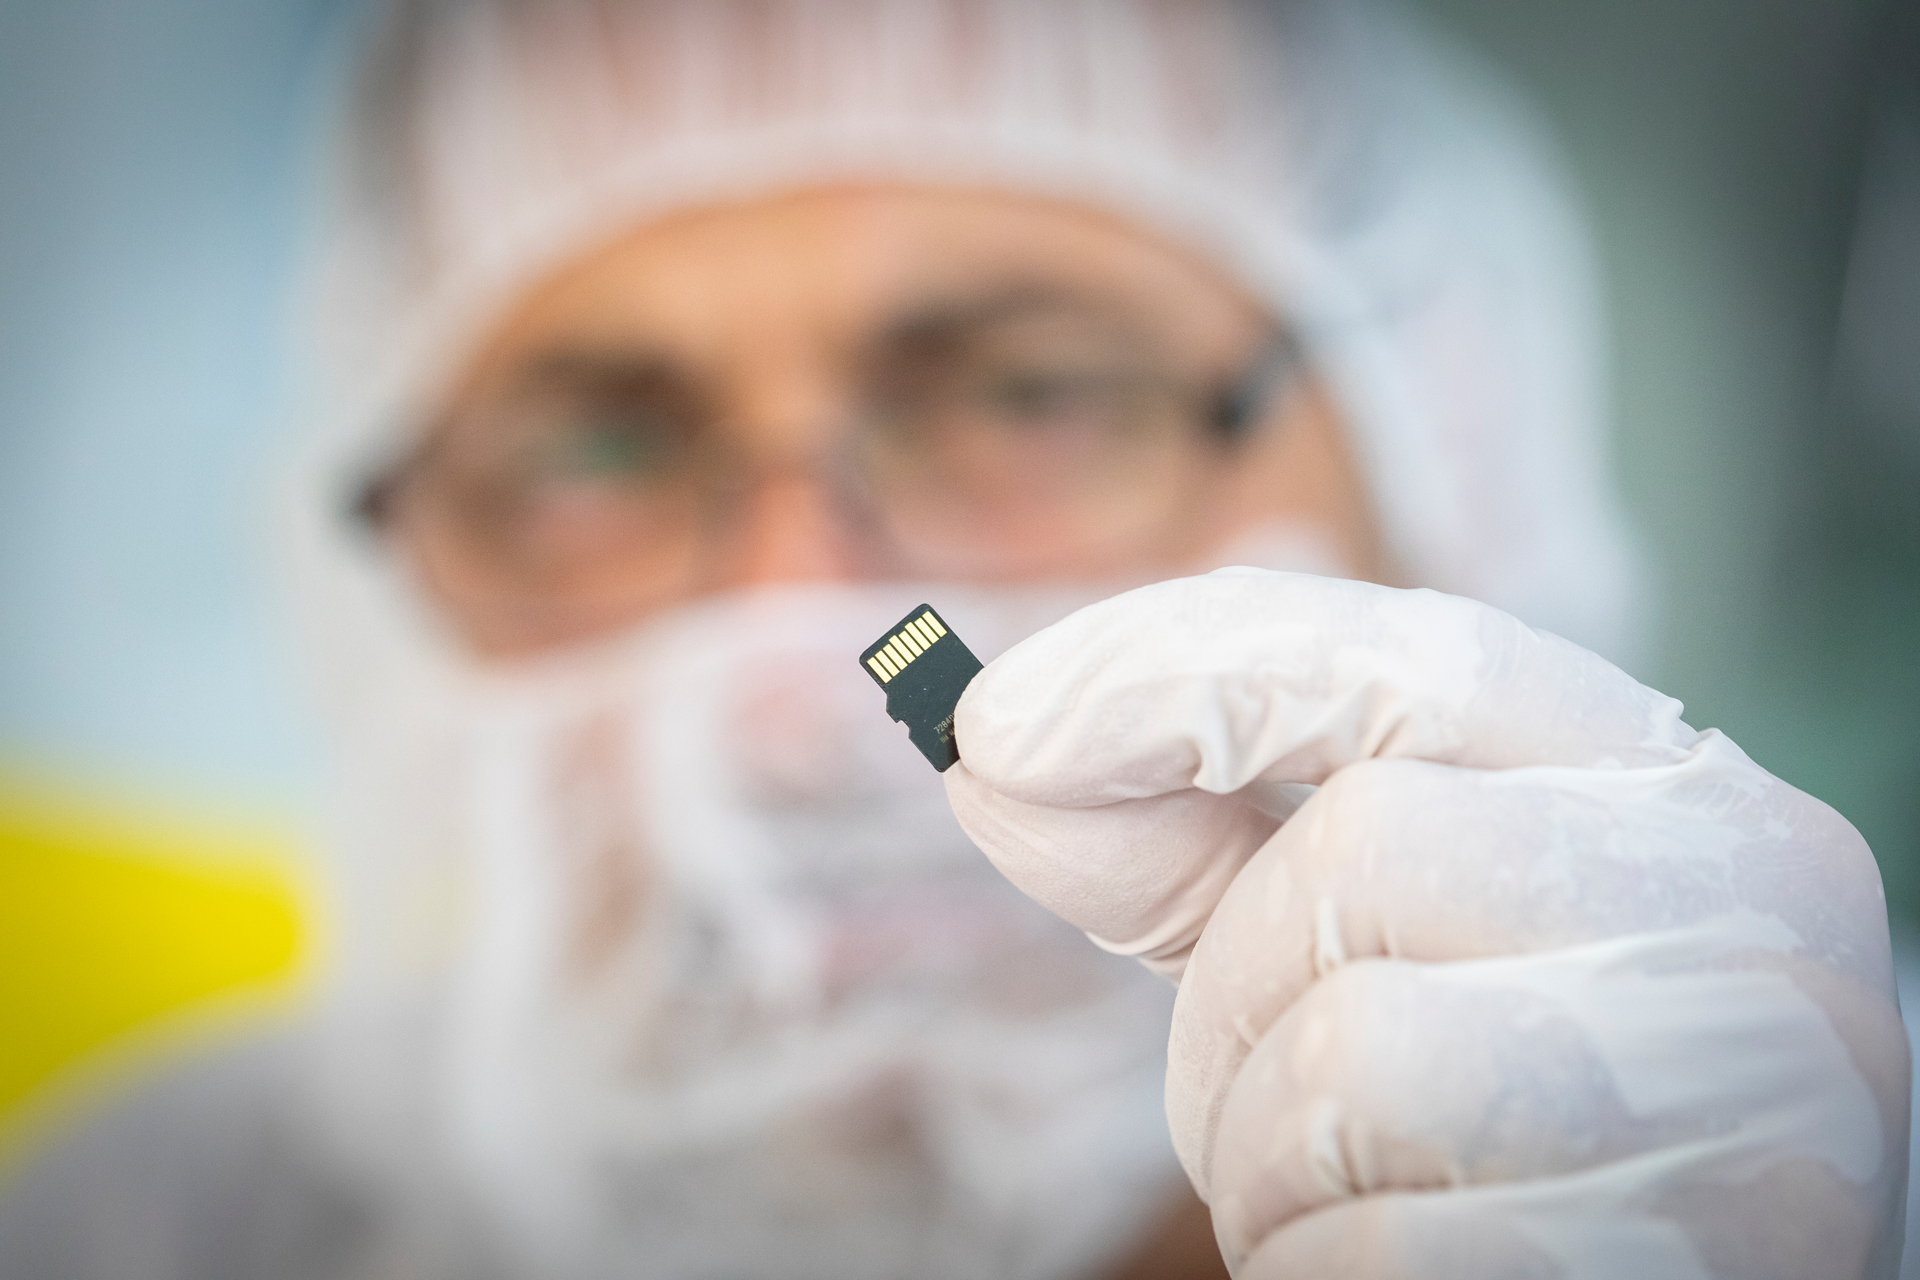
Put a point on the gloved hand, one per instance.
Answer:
(1539, 981)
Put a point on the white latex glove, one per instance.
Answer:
(1540, 981)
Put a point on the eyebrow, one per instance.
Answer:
(601, 370)
(953, 320)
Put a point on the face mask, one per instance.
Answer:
(741, 997)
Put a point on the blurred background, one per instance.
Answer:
(1752, 167)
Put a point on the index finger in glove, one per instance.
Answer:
(1150, 701)
(1242, 675)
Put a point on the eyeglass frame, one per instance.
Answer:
(1235, 409)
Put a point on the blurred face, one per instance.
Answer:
(861, 383)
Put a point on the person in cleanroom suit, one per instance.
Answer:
(668, 353)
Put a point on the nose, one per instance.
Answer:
(786, 529)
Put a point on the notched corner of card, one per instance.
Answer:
(924, 668)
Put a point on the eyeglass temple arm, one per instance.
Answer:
(1239, 406)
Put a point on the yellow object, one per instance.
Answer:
(116, 919)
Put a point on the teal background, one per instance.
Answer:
(1737, 157)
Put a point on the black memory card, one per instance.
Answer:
(924, 669)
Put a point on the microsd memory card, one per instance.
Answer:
(924, 669)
